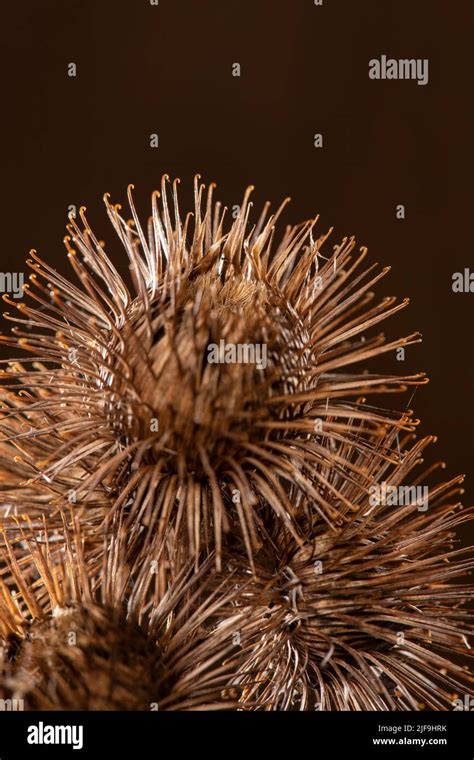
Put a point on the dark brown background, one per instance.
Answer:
(167, 69)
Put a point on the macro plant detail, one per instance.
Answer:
(215, 519)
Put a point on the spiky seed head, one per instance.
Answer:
(260, 470)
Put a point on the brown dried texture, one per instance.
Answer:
(268, 469)
(70, 641)
(370, 618)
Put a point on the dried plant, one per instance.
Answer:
(121, 419)
(82, 636)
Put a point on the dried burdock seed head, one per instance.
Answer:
(77, 636)
(233, 359)
(216, 419)
(372, 617)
